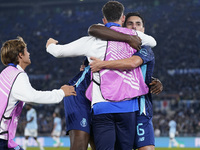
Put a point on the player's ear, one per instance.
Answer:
(123, 18)
(104, 20)
(20, 55)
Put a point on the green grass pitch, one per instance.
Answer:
(66, 148)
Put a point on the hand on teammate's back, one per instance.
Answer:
(50, 41)
(96, 64)
(156, 86)
(82, 67)
(68, 90)
(135, 42)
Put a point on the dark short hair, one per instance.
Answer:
(112, 11)
(57, 114)
(134, 14)
(29, 104)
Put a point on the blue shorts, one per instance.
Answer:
(145, 131)
(114, 131)
(4, 146)
(78, 108)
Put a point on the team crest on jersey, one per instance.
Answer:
(143, 51)
(83, 122)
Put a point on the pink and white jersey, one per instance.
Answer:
(8, 124)
(119, 85)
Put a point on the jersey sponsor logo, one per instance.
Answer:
(83, 122)
(141, 139)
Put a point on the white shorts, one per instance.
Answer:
(172, 135)
(31, 132)
(56, 133)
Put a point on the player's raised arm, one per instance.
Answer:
(51, 41)
(76, 48)
(105, 33)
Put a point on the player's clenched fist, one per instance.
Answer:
(50, 41)
(68, 90)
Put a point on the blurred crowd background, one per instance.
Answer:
(175, 24)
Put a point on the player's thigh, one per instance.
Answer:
(104, 131)
(125, 130)
(79, 136)
(91, 141)
(30, 132)
(56, 133)
(172, 135)
(3, 144)
(77, 114)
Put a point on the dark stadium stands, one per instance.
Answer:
(177, 53)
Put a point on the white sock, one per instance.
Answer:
(25, 144)
(175, 142)
(56, 139)
(39, 145)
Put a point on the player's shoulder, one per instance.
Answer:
(57, 118)
(145, 51)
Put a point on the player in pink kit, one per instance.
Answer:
(15, 90)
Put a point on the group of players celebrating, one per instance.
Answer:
(108, 104)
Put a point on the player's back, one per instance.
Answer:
(172, 125)
(31, 114)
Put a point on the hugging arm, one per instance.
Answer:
(122, 64)
(108, 34)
